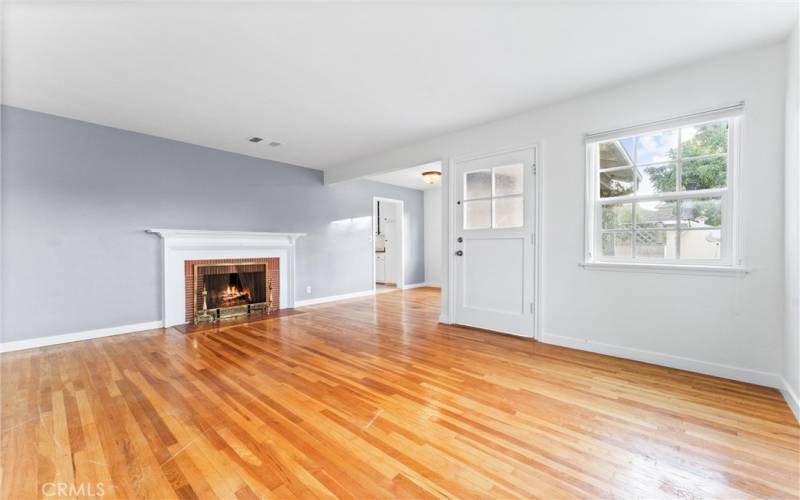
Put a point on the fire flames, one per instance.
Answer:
(233, 296)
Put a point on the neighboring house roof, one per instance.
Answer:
(613, 154)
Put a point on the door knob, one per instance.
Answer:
(460, 253)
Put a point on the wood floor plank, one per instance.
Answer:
(373, 398)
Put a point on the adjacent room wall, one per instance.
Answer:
(77, 197)
(791, 342)
(724, 325)
(433, 237)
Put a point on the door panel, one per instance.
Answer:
(487, 263)
(494, 244)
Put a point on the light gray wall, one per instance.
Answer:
(77, 198)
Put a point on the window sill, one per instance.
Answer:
(705, 270)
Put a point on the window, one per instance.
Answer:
(493, 197)
(664, 194)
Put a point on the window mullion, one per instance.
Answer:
(678, 184)
(596, 250)
(678, 230)
(598, 238)
(679, 164)
(707, 156)
(491, 200)
(635, 191)
(675, 195)
(500, 197)
(633, 231)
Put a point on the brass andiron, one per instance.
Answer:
(269, 300)
(204, 316)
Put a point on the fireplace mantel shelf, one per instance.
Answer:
(224, 235)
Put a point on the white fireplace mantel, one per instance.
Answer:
(180, 245)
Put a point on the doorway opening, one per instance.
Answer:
(388, 262)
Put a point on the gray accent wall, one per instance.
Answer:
(77, 197)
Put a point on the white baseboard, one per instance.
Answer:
(415, 285)
(445, 319)
(791, 398)
(354, 295)
(332, 298)
(668, 360)
(18, 345)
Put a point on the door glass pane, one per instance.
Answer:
(617, 244)
(701, 212)
(617, 183)
(618, 216)
(656, 179)
(656, 244)
(508, 212)
(704, 173)
(477, 214)
(703, 244)
(657, 147)
(508, 180)
(477, 184)
(704, 139)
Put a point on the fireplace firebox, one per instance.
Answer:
(222, 289)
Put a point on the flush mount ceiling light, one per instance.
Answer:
(432, 177)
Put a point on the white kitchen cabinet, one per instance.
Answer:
(380, 268)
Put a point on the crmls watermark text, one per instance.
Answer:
(73, 490)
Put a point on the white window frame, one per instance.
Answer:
(731, 255)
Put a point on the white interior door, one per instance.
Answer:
(494, 247)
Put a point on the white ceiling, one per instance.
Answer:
(337, 82)
(410, 177)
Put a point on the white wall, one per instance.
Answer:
(791, 343)
(433, 236)
(730, 326)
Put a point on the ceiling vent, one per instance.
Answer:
(255, 139)
(274, 144)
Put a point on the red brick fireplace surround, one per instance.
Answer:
(236, 265)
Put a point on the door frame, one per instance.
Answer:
(401, 283)
(452, 191)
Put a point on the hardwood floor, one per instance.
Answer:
(372, 398)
